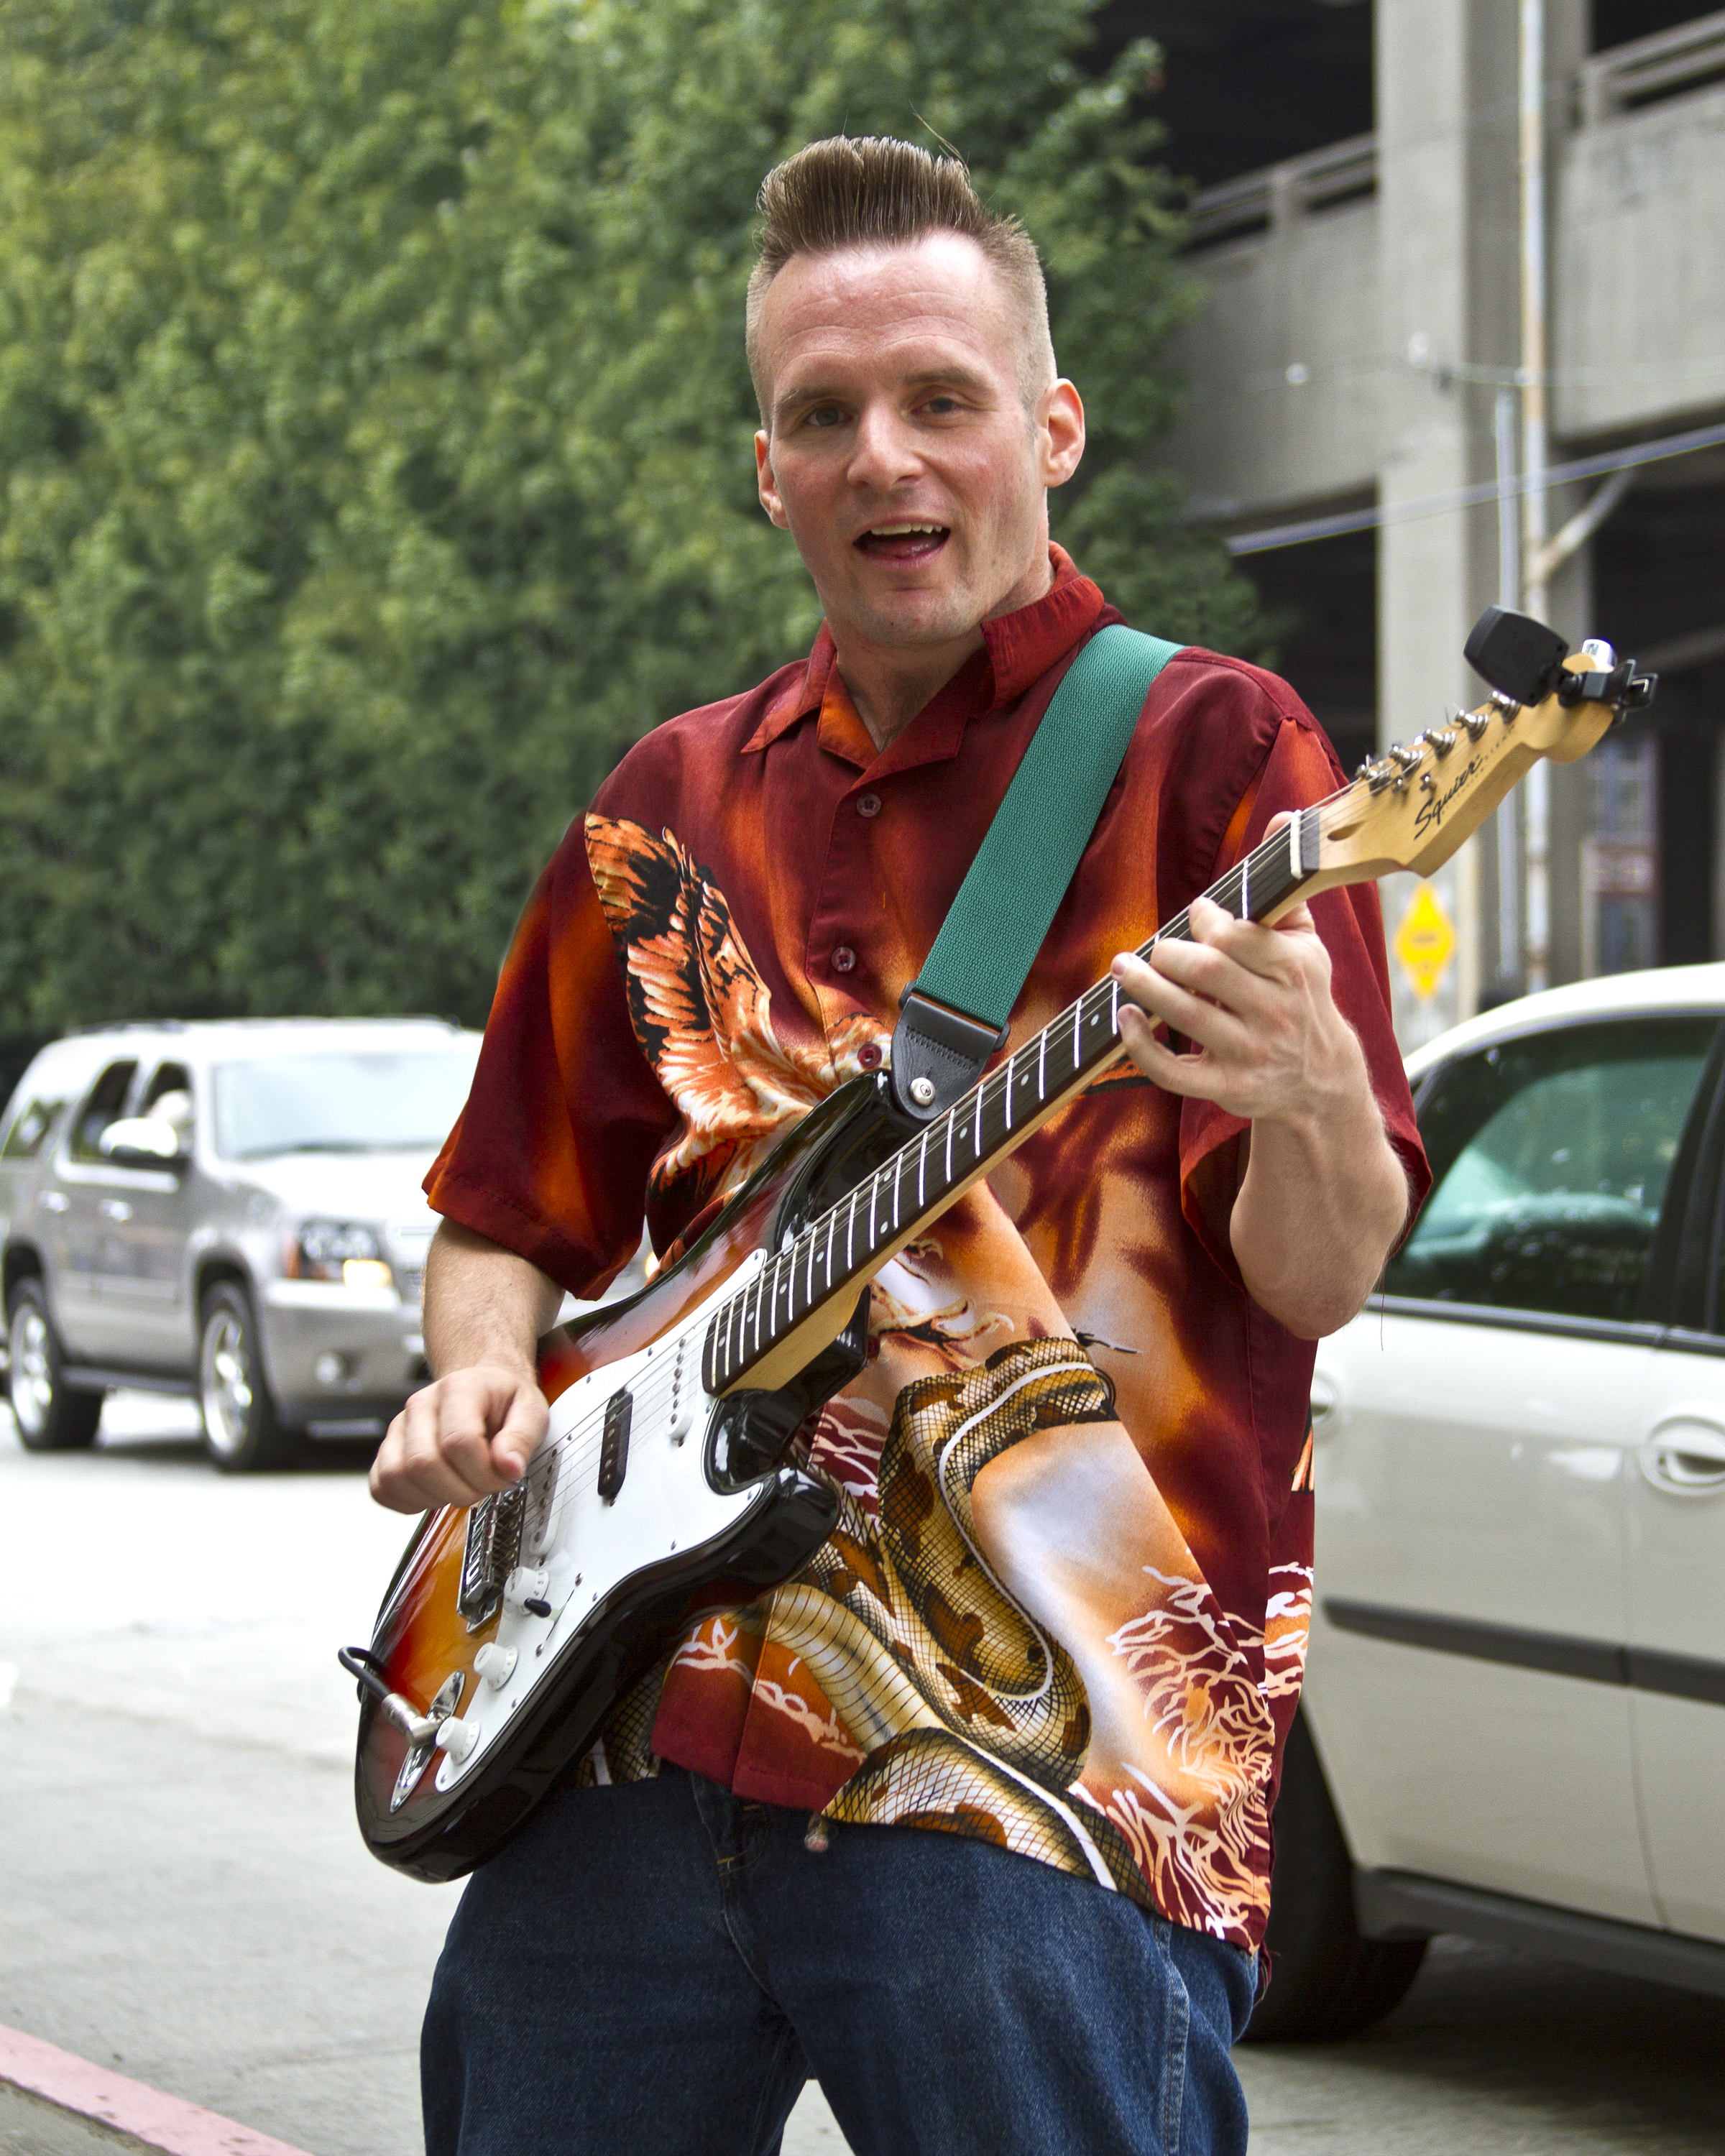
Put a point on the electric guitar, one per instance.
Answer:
(674, 1477)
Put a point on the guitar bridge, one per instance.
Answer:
(494, 1541)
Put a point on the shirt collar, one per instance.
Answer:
(1018, 649)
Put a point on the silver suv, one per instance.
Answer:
(227, 1209)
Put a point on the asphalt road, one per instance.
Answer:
(184, 1895)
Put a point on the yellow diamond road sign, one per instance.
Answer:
(1425, 940)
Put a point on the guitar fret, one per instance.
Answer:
(1114, 1007)
(809, 1289)
(897, 1178)
(1077, 1034)
(921, 1165)
(951, 1112)
(1009, 1092)
(832, 1229)
(1041, 1064)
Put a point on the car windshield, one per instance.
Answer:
(353, 1100)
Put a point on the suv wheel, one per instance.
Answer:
(1326, 1980)
(242, 1431)
(50, 1416)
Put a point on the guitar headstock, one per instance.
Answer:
(1411, 808)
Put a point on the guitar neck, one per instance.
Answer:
(1408, 809)
(761, 1335)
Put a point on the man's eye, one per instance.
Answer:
(941, 406)
(824, 415)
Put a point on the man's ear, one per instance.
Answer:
(765, 484)
(1059, 428)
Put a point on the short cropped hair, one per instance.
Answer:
(871, 191)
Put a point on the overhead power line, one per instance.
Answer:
(1469, 497)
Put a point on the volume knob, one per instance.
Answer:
(495, 1663)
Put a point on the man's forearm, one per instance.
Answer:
(483, 1304)
(1319, 1209)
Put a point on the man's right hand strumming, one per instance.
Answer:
(473, 1430)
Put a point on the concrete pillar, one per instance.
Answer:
(1445, 87)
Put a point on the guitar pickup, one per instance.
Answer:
(614, 1445)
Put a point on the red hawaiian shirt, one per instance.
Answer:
(1064, 1606)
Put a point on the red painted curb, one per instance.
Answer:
(159, 2121)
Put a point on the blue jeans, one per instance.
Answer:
(660, 1967)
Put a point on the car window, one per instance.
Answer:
(169, 1078)
(352, 1102)
(1550, 1160)
(105, 1103)
(30, 1127)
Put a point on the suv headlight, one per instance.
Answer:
(345, 1250)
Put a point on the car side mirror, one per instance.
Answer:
(144, 1142)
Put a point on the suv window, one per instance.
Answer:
(105, 1103)
(30, 1127)
(1550, 1157)
(170, 1078)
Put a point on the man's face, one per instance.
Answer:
(899, 453)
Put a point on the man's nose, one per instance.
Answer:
(884, 454)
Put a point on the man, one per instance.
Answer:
(970, 1820)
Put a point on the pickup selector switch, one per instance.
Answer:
(525, 1586)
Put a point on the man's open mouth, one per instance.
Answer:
(903, 543)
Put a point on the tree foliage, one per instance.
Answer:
(375, 442)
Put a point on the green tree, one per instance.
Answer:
(374, 440)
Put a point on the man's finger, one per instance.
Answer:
(521, 1434)
(1199, 1016)
(1255, 949)
(1185, 1074)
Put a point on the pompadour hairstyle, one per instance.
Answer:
(871, 191)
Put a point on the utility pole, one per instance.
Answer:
(1536, 793)
(1509, 596)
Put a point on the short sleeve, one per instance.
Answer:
(549, 1157)
(1300, 770)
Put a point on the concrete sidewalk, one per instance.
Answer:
(186, 1895)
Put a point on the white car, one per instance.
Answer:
(1513, 1723)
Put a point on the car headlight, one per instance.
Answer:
(345, 1250)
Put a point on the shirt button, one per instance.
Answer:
(868, 804)
(868, 1055)
(844, 959)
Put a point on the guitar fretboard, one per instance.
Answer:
(848, 1242)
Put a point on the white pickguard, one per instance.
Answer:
(586, 1545)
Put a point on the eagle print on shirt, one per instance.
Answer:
(1006, 1634)
(701, 1012)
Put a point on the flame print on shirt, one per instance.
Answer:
(1287, 1628)
(701, 1012)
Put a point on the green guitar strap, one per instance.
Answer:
(954, 1015)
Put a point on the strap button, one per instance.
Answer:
(868, 804)
(844, 959)
(868, 1055)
